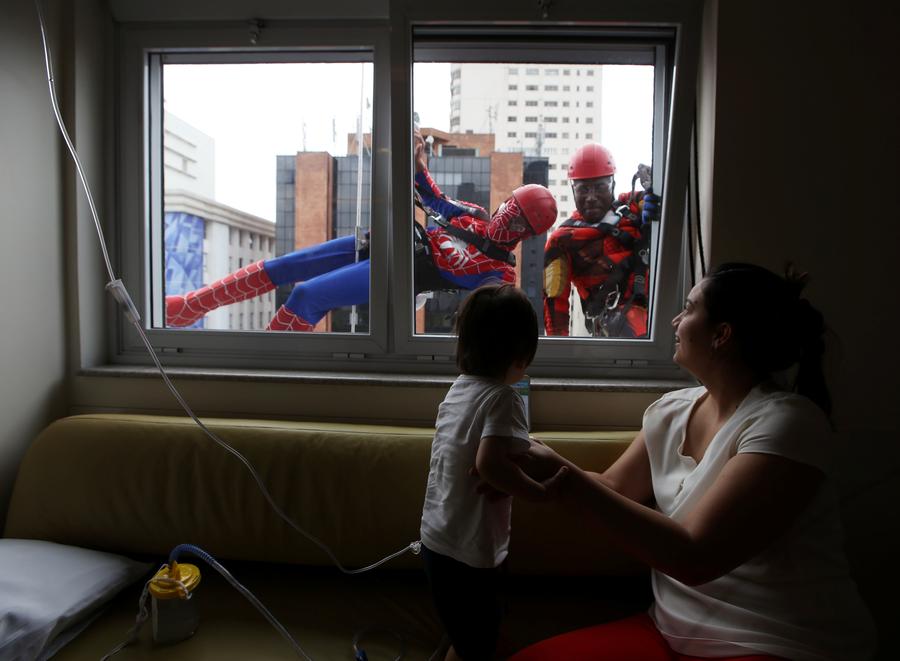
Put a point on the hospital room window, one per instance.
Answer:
(562, 285)
(246, 148)
(241, 183)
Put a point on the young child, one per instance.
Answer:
(481, 423)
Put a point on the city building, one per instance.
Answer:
(317, 201)
(204, 239)
(545, 111)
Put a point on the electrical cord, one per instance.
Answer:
(117, 289)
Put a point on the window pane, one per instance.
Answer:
(266, 195)
(494, 156)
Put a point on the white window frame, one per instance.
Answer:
(139, 191)
(674, 96)
(391, 344)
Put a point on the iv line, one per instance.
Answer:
(117, 288)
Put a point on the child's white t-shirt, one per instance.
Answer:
(795, 599)
(456, 520)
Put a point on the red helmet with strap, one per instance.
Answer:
(537, 205)
(591, 161)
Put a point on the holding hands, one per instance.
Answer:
(539, 463)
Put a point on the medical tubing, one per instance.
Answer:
(65, 134)
(212, 562)
(413, 546)
(118, 291)
(143, 614)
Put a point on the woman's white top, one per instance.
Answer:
(456, 520)
(796, 599)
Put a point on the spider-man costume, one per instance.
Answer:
(601, 261)
(329, 275)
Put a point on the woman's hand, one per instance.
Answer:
(551, 475)
(539, 461)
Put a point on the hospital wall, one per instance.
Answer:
(798, 146)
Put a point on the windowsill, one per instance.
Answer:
(376, 379)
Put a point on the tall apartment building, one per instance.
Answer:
(205, 239)
(549, 111)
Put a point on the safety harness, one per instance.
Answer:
(602, 307)
(481, 243)
(427, 275)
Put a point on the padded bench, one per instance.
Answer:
(139, 485)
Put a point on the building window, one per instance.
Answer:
(531, 104)
(354, 172)
(512, 118)
(589, 88)
(551, 72)
(512, 71)
(532, 72)
(550, 120)
(512, 102)
(588, 120)
(551, 88)
(512, 88)
(588, 104)
(550, 104)
(567, 88)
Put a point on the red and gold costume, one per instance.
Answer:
(601, 260)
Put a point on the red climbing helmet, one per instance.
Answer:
(537, 205)
(590, 162)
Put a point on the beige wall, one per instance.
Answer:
(32, 258)
(806, 114)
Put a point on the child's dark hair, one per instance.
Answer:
(773, 326)
(497, 326)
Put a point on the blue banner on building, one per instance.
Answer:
(184, 255)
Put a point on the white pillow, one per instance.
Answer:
(47, 590)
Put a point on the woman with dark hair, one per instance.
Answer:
(724, 494)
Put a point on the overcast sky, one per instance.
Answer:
(255, 112)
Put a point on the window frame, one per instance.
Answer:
(590, 357)
(391, 344)
(140, 191)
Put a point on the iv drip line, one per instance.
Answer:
(117, 288)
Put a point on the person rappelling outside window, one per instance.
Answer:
(602, 251)
(465, 248)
